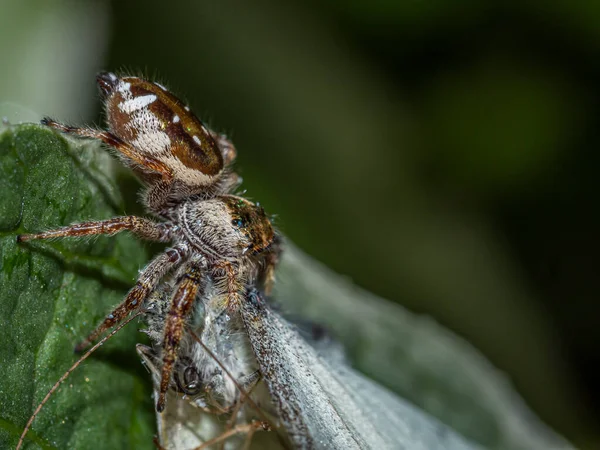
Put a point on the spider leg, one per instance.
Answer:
(181, 306)
(226, 146)
(127, 150)
(141, 227)
(230, 180)
(233, 286)
(227, 279)
(147, 281)
(271, 260)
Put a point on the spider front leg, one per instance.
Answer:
(147, 282)
(141, 227)
(181, 307)
(127, 150)
(229, 278)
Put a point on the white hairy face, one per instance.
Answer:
(226, 227)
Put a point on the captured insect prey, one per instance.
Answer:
(228, 370)
(304, 391)
(216, 376)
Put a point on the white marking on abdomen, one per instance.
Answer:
(124, 87)
(129, 106)
(175, 118)
(192, 177)
(153, 142)
(196, 140)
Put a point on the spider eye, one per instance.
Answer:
(237, 223)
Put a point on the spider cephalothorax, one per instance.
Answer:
(226, 227)
(219, 241)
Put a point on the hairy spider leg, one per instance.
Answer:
(230, 180)
(113, 141)
(141, 227)
(147, 281)
(226, 276)
(271, 260)
(181, 306)
(227, 148)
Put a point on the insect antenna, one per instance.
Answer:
(245, 395)
(68, 372)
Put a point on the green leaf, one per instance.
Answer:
(53, 293)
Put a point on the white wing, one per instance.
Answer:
(331, 406)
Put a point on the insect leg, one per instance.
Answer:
(245, 395)
(113, 141)
(147, 281)
(249, 428)
(141, 227)
(231, 422)
(256, 426)
(248, 383)
(181, 306)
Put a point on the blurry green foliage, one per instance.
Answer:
(498, 127)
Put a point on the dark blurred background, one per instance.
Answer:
(442, 154)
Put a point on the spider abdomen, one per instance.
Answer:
(159, 125)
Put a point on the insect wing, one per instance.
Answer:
(181, 426)
(326, 406)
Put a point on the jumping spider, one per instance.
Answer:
(216, 237)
